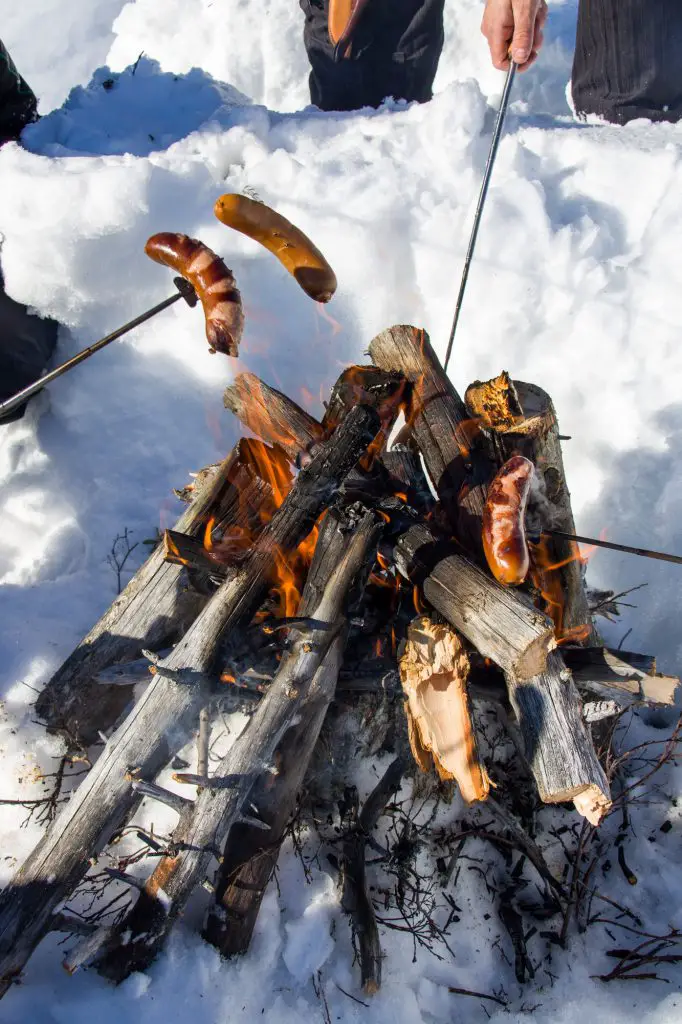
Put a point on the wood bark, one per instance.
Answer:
(250, 854)
(204, 827)
(355, 898)
(497, 620)
(433, 671)
(557, 744)
(405, 470)
(272, 416)
(455, 451)
(164, 717)
(149, 613)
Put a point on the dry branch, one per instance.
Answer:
(162, 719)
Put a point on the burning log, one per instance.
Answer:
(300, 692)
(455, 451)
(384, 391)
(405, 469)
(524, 422)
(165, 715)
(272, 416)
(149, 613)
(250, 855)
(499, 622)
(433, 671)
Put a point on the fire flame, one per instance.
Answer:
(546, 576)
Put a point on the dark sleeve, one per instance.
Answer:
(18, 105)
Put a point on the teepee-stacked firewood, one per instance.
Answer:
(309, 530)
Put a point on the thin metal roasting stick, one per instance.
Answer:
(185, 291)
(497, 134)
(643, 552)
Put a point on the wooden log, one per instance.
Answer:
(250, 856)
(190, 552)
(621, 676)
(557, 745)
(524, 421)
(355, 898)
(383, 390)
(497, 620)
(150, 612)
(160, 722)
(202, 830)
(455, 451)
(272, 416)
(405, 470)
(433, 671)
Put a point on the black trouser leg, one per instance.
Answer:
(26, 346)
(394, 52)
(628, 60)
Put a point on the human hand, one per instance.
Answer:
(514, 25)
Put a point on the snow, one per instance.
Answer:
(575, 287)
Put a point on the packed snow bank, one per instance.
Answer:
(574, 287)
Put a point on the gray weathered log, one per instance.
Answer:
(202, 833)
(250, 856)
(190, 552)
(151, 611)
(272, 416)
(441, 427)
(499, 621)
(557, 745)
(160, 722)
(622, 676)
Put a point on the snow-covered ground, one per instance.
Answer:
(575, 286)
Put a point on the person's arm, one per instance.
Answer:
(18, 105)
(515, 25)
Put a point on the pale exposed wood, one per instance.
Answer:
(441, 427)
(494, 402)
(201, 833)
(272, 416)
(557, 745)
(433, 672)
(151, 611)
(498, 621)
(621, 676)
(161, 721)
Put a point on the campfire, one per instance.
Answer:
(397, 551)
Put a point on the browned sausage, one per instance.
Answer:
(211, 280)
(504, 529)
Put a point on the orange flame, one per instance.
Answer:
(546, 576)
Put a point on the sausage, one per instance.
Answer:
(292, 248)
(211, 280)
(504, 529)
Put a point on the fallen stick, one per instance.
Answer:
(164, 717)
(203, 826)
(355, 898)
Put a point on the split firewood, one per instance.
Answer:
(557, 745)
(455, 450)
(355, 898)
(405, 470)
(250, 855)
(150, 612)
(433, 671)
(164, 717)
(500, 622)
(385, 391)
(272, 416)
(204, 826)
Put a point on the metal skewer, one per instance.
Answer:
(185, 291)
(497, 134)
(643, 552)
